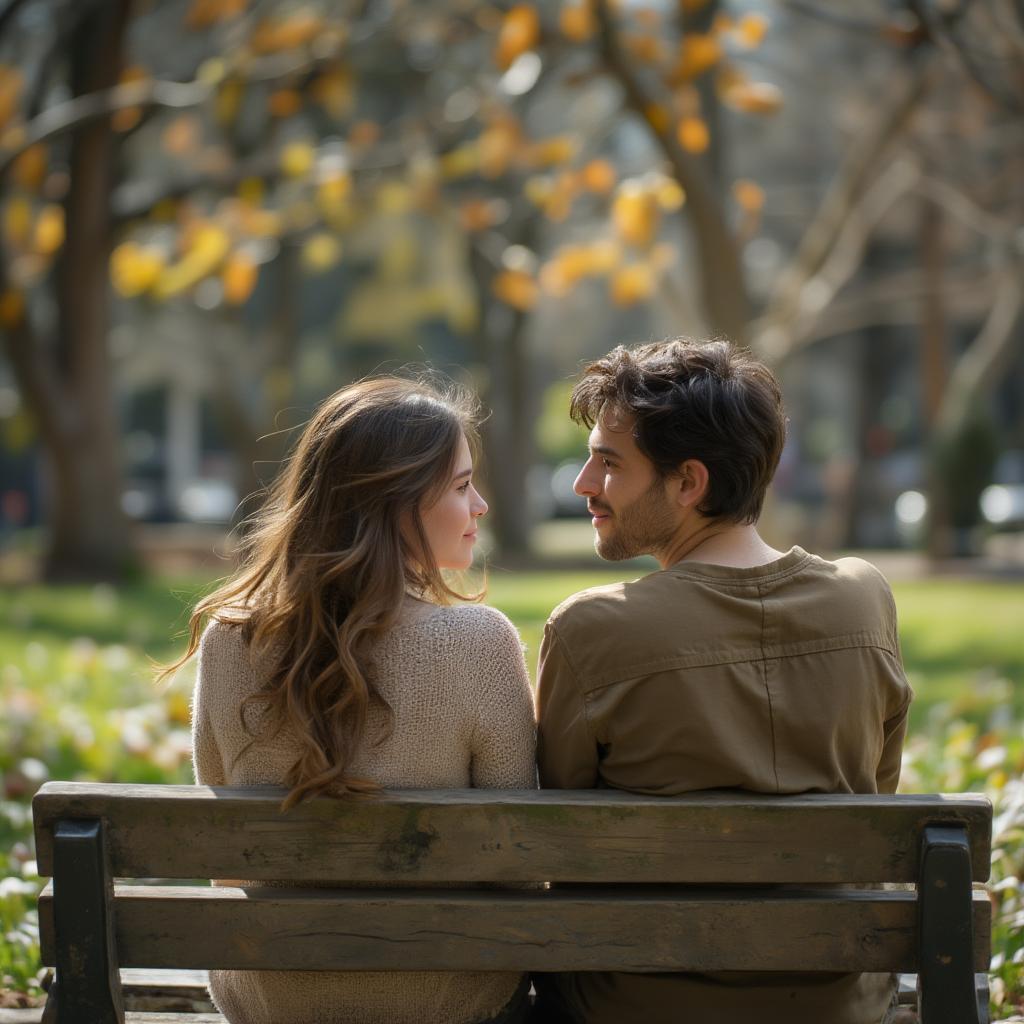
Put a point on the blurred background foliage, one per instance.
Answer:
(215, 212)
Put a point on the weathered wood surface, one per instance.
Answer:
(479, 835)
(139, 1017)
(577, 928)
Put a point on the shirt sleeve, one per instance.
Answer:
(207, 764)
(887, 776)
(567, 753)
(504, 741)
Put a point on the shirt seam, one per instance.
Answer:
(767, 689)
(756, 581)
(580, 692)
(685, 661)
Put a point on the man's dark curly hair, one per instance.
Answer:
(694, 400)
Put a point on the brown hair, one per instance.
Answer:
(695, 400)
(325, 568)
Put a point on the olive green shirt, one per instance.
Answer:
(784, 678)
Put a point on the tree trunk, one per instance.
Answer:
(89, 536)
(934, 375)
(508, 431)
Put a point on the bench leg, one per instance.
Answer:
(946, 929)
(87, 984)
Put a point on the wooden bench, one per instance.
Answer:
(663, 884)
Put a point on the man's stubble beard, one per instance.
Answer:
(645, 526)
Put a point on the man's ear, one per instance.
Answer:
(692, 483)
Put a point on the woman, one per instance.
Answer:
(334, 663)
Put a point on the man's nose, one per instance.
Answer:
(586, 485)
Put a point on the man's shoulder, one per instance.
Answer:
(856, 576)
(612, 606)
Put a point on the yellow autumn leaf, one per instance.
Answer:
(209, 246)
(478, 215)
(461, 161)
(394, 198)
(29, 168)
(181, 136)
(12, 308)
(559, 149)
(17, 221)
(635, 214)
(693, 134)
(632, 284)
(645, 48)
(754, 97)
(520, 32)
(206, 13)
(576, 22)
(284, 103)
(554, 280)
(297, 159)
(748, 195)
(11, 82)
(334, 190)
(599, 176)
(238, 278)
(497, 146)
(228, 101)
(49, 231)
(669, 194)
(251, 191)
(658, 117)
(321, 252)
(134, 269)
(698, 52)
(334, 90)
(516, 288)
(273, 35)
(751, 30)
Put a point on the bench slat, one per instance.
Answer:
(578, 928)
(479, 835)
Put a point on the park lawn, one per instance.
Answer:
(77, 699)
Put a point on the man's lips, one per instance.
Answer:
(598, 515)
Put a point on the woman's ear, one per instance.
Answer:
(692, 483)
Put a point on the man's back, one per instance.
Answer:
(785, 678)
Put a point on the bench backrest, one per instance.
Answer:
(642, 868)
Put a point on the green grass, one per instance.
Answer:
(77, 700)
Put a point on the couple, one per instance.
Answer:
(336, 661)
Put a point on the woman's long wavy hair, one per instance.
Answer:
(332, 552)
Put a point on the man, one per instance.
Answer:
(735, 666)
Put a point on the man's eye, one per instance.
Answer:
(606, 464)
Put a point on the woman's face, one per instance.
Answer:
(450, 523)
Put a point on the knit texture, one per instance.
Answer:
(463, 717)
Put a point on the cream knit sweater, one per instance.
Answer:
(463, 716)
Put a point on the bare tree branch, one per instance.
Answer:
(81, 110)
(843, 260)
(980, 366)
(826, 230)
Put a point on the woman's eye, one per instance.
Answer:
(462, 488)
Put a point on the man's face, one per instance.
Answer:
(632, 511)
